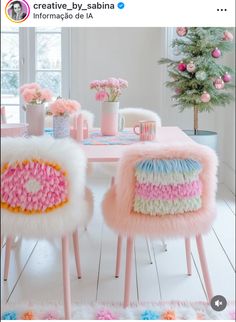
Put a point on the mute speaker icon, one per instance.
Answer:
(218, 303)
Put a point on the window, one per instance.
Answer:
(10, 73)
(32, 55)
(48, 59)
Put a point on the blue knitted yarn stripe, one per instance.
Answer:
(167, 166)
(168, 173)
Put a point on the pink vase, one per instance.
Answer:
(35, 114)
(109, 118)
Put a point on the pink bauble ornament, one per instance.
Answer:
(227, 78)
(191, 67)
(219, 83)
(228, 36)
(182, 66)
(178, 91)
(216, 53)
(181, 31)
(205, 97)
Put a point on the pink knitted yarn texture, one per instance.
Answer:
(168, 192)
(33, 186)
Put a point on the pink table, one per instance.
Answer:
(112, 153)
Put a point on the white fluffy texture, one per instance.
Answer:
(88, 116)
(134, 114)
(183, 310)
(71, 158)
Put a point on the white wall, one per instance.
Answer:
(129, 53)
(133, 54)
(225, 125)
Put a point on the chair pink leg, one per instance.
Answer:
(205, 272)
(66, 277)
(112, 180)
(76, 252)
(118, 256)
(7, 257)
(188, 255)
(128, 270)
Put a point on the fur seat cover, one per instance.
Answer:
(118, 201)
(77, 211)
(134, 114)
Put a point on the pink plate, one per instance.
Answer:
(14, 129)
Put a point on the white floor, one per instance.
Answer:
(35, 271)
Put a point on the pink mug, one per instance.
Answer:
(147, 130)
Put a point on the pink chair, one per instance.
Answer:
(43, 195)
(161, 192)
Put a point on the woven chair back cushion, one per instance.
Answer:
(167, 187)
(33, 187)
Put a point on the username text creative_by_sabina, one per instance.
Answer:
(74, 5)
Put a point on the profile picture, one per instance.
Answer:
(17, 10)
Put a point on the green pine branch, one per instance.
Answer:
(197, 47)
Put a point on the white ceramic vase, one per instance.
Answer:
(35, 114)
(109, 118)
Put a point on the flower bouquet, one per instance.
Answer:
(108, 91)
(33, 94)
(34, 98)
(61, 110)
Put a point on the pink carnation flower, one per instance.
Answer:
(113, 82)
(34, 94)
(29, 86)
(28, 95)
(123, 83)
(46, 95)
(64, 107)
(108, 89)
(101, 96)
(95, 84)
(103, 83)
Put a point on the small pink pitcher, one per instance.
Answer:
(109, 118)
(147, 130)
(79, 129)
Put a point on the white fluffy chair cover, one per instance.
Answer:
(61, 220)
(89, 117)
(134, 114)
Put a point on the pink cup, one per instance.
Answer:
(14, 129)
(147, 130)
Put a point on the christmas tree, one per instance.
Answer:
(198, 79)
